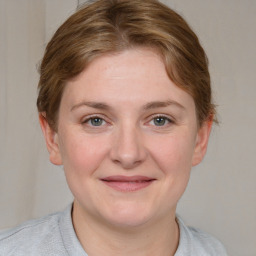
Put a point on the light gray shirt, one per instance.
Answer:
(54, 235)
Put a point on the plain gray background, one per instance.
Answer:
(221, 196)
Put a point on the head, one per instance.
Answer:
(115, 26)
(125, 106)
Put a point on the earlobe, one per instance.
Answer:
(51, 139)
(202, 139)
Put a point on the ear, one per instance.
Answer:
(51, 139)
(202, 141)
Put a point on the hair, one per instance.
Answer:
(111, 26)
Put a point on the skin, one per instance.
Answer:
(126, 93)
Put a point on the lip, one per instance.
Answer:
(128, 183)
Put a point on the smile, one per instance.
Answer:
(126, 183)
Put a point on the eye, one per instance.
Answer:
(160, 121)
(95, 121)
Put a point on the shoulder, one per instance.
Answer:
(34, 237)
(193, 241)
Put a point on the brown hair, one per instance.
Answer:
(106, 26)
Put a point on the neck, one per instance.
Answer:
(96, 238)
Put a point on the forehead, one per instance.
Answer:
(132, 75)
(124, 64)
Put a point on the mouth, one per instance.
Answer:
(128, 183)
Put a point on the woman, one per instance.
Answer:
(125, 106)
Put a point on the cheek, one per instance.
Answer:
(173, 157)
(82, 154)
(173, 154)
(81, 159)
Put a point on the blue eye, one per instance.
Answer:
(95, 121)
(161, 121)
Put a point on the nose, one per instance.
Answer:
(128, 149)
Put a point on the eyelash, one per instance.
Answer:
(90, 118)
(152, 119)
(165, 118)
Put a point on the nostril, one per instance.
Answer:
(127, 149)
(127, 164)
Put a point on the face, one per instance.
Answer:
(127, 138)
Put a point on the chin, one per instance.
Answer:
(128, 217)
(128, 222)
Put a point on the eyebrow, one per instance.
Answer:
(97, 105)
(148, 106)
(162, 104)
